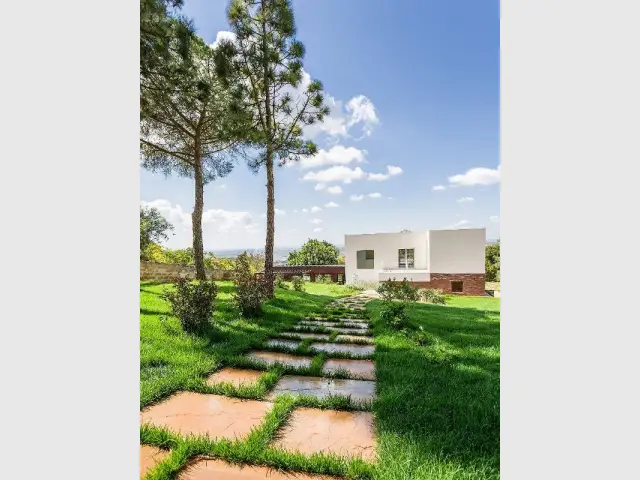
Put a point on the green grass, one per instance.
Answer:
(437, 411)
(438, 405)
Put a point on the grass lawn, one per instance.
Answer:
(437, 411)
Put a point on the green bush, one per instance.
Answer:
(280, 283)
(432, 295)
(298, 283)
(250, 292)
(192, 302)
(394, 315)
(326, 279)
(394, 290)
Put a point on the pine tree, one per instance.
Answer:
(275, 89)
(190, 128)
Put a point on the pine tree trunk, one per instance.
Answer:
(268, 249)
(196, 221)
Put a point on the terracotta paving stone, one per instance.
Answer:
(344, 433)
(235, 376)
(319, 336)
(357, 331)
(210, 469)
(319, 387)
(215, 415)
(150, 457)
(343, 348)
(365, 369)
(282, 342)
(355, 338)
(271, 358)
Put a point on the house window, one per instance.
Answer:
(405, 258)
(456, 286)
(365, 259)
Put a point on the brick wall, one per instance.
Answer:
(472, 283)
(165, 272)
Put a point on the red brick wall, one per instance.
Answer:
(473, 283)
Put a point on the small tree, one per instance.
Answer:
(190, 127)
(250, 292)
(269, 59)
(492, 262)
(153, 229)
(315, 252)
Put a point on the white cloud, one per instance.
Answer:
(315, 209)
(338, 173)
(315, 221)
(356, 198)
(494, 218)
(465, 200)
(476, 176)
(295, 211)
(335, 190)
(438, 188)
(390, 198)
(336, 155)
(358, 115)
(374, 195)
(223, 35)
(304, 210)
(319, 186)
(331, 205)
(391, 172)
(317, 229)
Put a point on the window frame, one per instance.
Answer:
(461, 282)
(366, 263)
(403, 258)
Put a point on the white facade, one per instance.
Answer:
(434, 251)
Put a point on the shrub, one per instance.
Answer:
(298, 283)
(326, 279)
(192, 302)
(250, 292)
(432, 295)
(280, 283)
(394, 290)
(394, 315)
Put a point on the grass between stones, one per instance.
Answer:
(437, 406)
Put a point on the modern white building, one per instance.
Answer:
(451, 260)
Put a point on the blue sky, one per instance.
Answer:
(414, 88)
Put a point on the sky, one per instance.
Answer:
(412, 141)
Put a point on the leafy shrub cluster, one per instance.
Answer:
(394, 315)
(250, 291)
(298, 283)
(280, 283)
(326, 279)
(403, 291)
(192, 302)
(432, 295)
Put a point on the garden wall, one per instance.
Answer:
(165, 272)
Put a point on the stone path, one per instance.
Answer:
(306, 430)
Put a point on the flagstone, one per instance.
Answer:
(364, 369)
(271, 358)
(235, 376)
(149, 457)
(343, 348)
(214, 469)
(320, 387)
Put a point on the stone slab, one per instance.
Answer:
(271, 358)
(364, 369)
(310, 430)
(201, 414)
(354, 338)
(283, 343)
(235, 376)
(317, 336)
(150, 457)
(319, 387)
(343, 348)
(210, 469)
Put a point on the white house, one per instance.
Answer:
(451, 260)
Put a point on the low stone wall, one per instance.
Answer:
(166, 272)
(472, 283)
